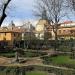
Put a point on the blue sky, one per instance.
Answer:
(23, 8)
(20, 10)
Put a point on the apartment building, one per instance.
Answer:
(66, 30)
(10, 35)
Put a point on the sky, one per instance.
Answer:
(21, 10)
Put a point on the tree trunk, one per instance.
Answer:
(56, 41)
(16, 56)
(24, 44)
(2, 18)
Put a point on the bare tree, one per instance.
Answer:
(71, 5)
(3, 7)
(51, 10)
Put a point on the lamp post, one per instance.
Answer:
(54, 29)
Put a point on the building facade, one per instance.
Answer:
(43, 28)
(10, 35)
(66, 30)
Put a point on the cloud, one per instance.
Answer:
(19, 21)
(19, 10)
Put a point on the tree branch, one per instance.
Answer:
(3, 16)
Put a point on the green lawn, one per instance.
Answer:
(25, 54)
(60, 60)
(27, 73)
(36, 73)
(9, 54)
(64, 48)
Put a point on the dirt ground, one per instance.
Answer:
(3, 60)
(31, 61)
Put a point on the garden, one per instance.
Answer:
(59, 60)
(29, 53)
(36, 73)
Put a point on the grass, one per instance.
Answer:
(64, 48)
(25, 54)
(9, 55)
(27, 73)
(60, 60)
(36, 73)
(33, 54)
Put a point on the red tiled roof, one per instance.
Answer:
(66, 22)
(16, 30)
